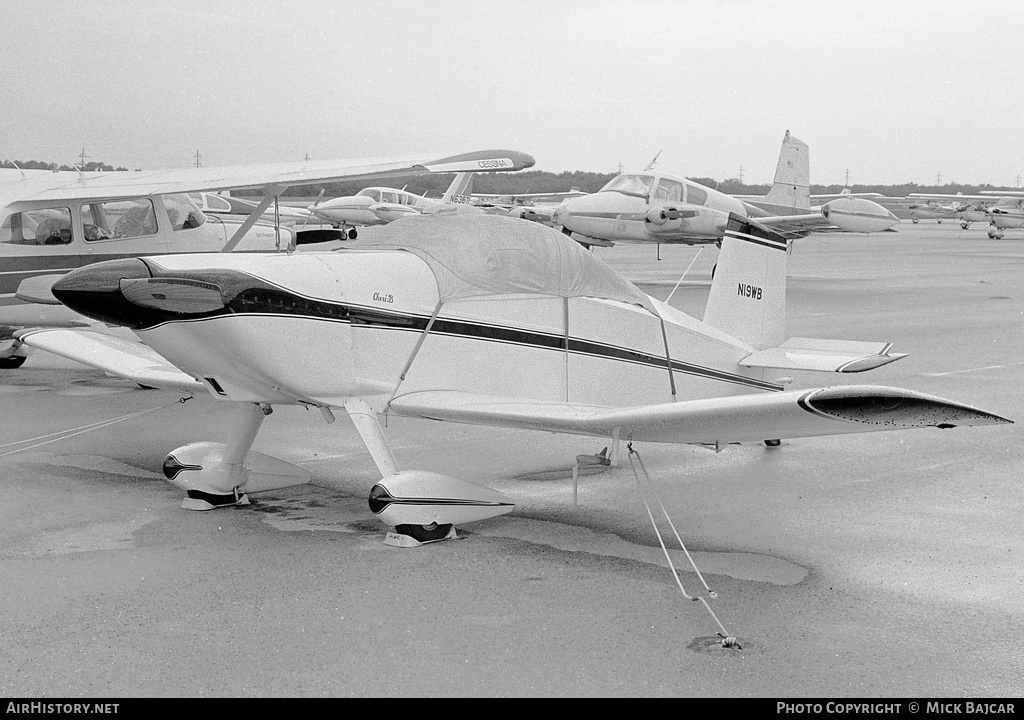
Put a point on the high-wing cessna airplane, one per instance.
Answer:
(53, 223)
(381, 205)
(473, 319)
(1002, 209)
(655, 207)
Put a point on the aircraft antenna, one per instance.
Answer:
(25, 177)
(72, 164)
(651, 163)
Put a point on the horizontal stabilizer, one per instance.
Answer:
(117, 356)
(843, 356)
(742, 418)
(36, 289)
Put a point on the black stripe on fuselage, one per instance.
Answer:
(273, 302)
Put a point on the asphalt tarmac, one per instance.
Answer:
(878, 565)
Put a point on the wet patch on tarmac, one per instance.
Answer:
(310, 509)
(91, 463)
(118, 535)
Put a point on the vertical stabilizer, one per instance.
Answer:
(792, 186)
(460, 189)
(748, 293)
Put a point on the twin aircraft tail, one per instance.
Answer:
(748, 293)
(792, 186)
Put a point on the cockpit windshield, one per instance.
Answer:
(372, 193)
(630, 184)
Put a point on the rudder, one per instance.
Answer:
(748, 293)
(792, 185)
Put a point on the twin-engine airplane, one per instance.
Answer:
(654, 207)
(381, 205)
(51, 223)
(473, 319)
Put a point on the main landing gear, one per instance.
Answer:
(421, 506)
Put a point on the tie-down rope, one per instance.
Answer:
(81, 430)
(727, 639)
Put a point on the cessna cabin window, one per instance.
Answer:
(389, 197)
(630, 184)
(213, 203)
(46, 226)
(669, 190)
(182, 212)
(119, 219)
(695, 196)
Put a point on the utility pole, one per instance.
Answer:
(198, 156)
(846, 182)
(83, 156)
(938, 179)
(740, 178)
(1018, 179)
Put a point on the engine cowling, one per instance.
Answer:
(685, 222)
(858, 215)
(418, 497)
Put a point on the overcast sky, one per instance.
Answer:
(893, 90)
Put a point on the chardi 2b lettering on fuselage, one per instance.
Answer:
(750, 291)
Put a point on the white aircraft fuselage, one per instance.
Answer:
(378, 206)
(649, 207)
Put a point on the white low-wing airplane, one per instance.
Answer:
(381, 205)
(51, 223)
(657, 207)
(474, 319)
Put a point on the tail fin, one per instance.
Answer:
(748, 293)
(792, 186)
(460, 189)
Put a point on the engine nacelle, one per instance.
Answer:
(858, 215)
(200, 466)
(685, 222)
(418, 497)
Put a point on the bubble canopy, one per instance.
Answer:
(480, 255)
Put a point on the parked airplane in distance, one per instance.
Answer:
(544, 336)
(51, 223)
(1002, 209)
(656, 207)
(381, 205)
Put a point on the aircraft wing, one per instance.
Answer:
(131, 360)
(742, 418)
(120, 184)
(794, 226)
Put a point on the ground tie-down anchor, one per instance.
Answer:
(728, 641)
